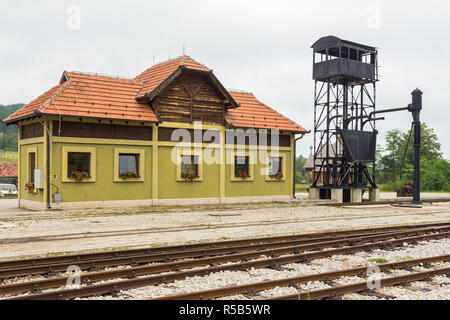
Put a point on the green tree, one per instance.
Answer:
(390, 157)
(300, 173)
(391, 171)
(8, 134)
(430, 146)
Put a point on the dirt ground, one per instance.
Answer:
(27, 233)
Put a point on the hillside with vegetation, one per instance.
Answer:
(8, 134)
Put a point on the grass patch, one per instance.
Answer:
(403, 258)
(9, 156)
(302, 187)
(378, 260)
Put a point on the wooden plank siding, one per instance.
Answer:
(191, 97)
(33, 130)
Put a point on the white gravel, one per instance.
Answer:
(438, 289)
(40, 233)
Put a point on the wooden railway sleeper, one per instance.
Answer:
(115, 292)
(36, 289)
(49, 273)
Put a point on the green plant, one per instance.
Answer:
(277, 176)
(80, 175)
(129, 175)
(378, 260)
(187, 175)
(242, 174)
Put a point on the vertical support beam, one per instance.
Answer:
(47, 163)
(374, 97)
(222, 185)
(415, 108)
(326, 182)
(19, 176)
(314, 184)
(293, 157)
(155, 163)
(416, 189)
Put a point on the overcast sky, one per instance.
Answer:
(257, 46)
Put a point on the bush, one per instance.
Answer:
(393, 185)
(434, 176)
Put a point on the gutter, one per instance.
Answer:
(295, 160)
(38, 114)
(47, 123)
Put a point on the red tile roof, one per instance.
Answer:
(8, 169)
(90, 95)
(153, 76)
(114, 98)
(254, 114)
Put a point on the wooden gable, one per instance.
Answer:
(190, 97)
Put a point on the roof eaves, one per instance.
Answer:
(102, 118)
(266, 128)
(27, 116)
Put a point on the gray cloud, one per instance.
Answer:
(258, 46)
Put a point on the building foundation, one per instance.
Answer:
(374, 194)
(356, 195)
(337, 195)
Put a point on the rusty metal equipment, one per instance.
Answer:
(345, 75)
(406, 190)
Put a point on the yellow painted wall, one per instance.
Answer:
(259, 186)
(23, 174)
(170, 188)
(104, 188)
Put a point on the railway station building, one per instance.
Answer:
(171, 135)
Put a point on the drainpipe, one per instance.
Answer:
(295, 160)
(47, 123)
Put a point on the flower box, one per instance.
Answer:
(277, 176)
(129, 175)
(29, 186)
(242, 174)
(189, 176)
(80, 176)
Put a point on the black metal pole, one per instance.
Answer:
(416, 190)
(415, 108)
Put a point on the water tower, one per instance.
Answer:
(345, 75)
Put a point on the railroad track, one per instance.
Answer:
(92, 257)
(209, 259)
(239, 251)
(253, 288)
(382, 202)
(362, 286)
